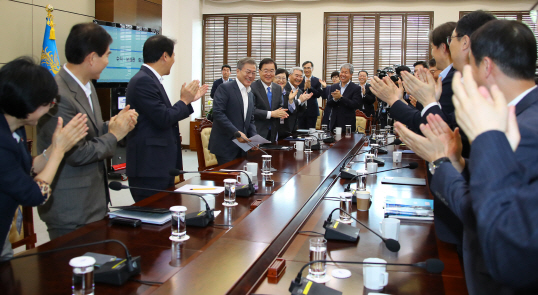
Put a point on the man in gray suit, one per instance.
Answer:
(268, 111)
(233, 111)
(80, 191)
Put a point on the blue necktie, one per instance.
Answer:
(269, 96)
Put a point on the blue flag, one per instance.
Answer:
(49, 53)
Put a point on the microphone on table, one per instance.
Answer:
(112, 272)
(335, 230)
(244, 191)
(412, 165)
(300, 284)
(348, 173)
(196, 219)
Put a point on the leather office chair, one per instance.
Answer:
(363, 121)
(206, 159)
(318, 122)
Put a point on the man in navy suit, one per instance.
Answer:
(295, 105)
(233, 111)
(226, 70)
(503, 55)
(154, 146)
(368, 98)
(268, 111)
(310, 84)
(345, 98)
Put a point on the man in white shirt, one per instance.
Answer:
(226, 70)
(233, 111)
(80, 190)
(154, 146)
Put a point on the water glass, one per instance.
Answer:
(345, 205)
(266, 164)
(229, 192)
(179, 225)
(82, 275)
(318, 251)
(348, 130)
(308, 144)
(324, 127)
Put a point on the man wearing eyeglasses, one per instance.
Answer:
(233, 111)
(312, 85)
(268, 110)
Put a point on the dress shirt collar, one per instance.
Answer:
(516, 100)
(307, 79)
(241, 86)
(87, 88)
(445, 72)
(155, 73)
(293, 88)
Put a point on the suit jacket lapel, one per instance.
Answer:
(239, 98)
(80, 96)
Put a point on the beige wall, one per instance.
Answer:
(23, 27)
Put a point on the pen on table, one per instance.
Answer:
(202, 189)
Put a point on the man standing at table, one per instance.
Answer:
(80, 190)
(233, 111)
(299, 99)
(154, 146)
(310, 84)
(268, 109)
(368, 98)
(345, 98)
(226, 70)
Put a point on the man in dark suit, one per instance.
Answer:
(233, 111)
(298, 97)
(154, 146)
(80, 190)
(345, 98)
(226, 70)
(368, 98)
(310, 84)
(268, 111)
(447, 226)
(503, 55)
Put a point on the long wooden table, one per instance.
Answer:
(222, 260)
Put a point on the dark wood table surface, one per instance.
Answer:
(223, 260)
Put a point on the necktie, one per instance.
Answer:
(270, 97)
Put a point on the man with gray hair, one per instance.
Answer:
(299, 98)
(345, 98)
(233, 111)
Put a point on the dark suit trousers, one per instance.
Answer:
(223, 160)
(161, 183)
(306, 122)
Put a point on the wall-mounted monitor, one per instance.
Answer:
(126, 57)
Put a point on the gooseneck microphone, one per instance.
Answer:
(297, 286)
(237, 134)
(112, 272)
(348, 173)
(244, 191)
(412, 165)
(197, 219)
(340, 231)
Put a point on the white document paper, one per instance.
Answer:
(200, 189)
(254, 140)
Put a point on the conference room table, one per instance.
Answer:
(232, 255)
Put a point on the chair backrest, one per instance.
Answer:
(206, 159)
(363, 121)
(318, 122)
(27, 237)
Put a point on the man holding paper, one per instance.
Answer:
(233, 111)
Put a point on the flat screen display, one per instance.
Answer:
(126, 57)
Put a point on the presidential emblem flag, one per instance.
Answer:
(49, 53)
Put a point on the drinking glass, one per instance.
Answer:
(345, 205)
(82, 275)
(229, 192)
(179, 225)
(318, 251)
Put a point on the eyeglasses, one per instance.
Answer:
(250, 73)
(280, 78)
(266, 71)
(53, 103)
(449, 38)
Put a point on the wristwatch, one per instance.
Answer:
(435, 164)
